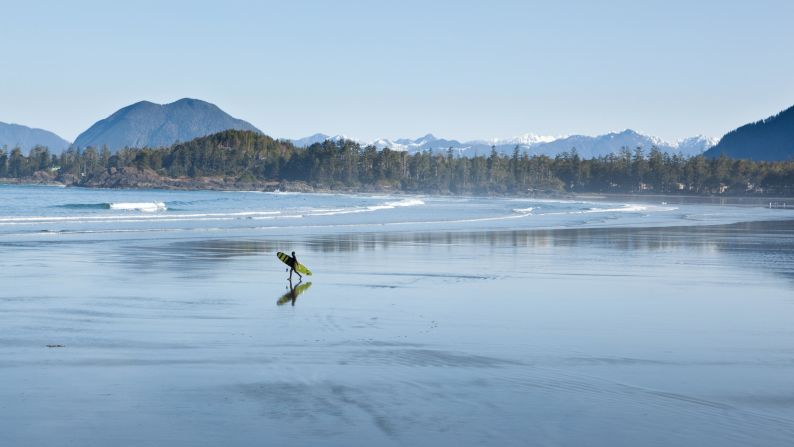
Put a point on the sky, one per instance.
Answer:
(370, 69)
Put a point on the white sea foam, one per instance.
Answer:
(381, 206)
(376, 208)
(324, 210)
(626, 208)
(406, 202)
(523, 210)
(399, 203)
(147, 207)
(287, 216)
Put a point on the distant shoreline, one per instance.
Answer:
(194, 184)
(221, 184)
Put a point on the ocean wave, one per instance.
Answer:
(18, 220)
(551, 201)
(124, 206)
(84, 206)
(406, 202)
(336, 212)
(523, 210)
(625, 208)
(147, 207)
(397, 204)
(330, 211)
(366, 209)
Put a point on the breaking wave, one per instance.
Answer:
(365, 209)
(125, 206)
(400, 203)
(523, 210)
(147, 207)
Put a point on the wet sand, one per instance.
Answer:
(674, 336)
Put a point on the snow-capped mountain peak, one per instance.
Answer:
(534, 144)
(696, 145)
(318, 138)
(383, 143)
(527, 139)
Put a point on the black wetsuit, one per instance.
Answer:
(292, 266)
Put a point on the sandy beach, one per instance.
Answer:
(598, 336)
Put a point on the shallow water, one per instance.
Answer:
(632, 330)
(47, 213)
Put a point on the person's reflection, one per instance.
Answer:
(292, 294)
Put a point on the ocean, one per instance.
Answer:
(36, 213)
(147, 317)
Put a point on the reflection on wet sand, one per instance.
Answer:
(611, 334)
(199, 254)
(648, 239)
(765, 245)
(768, 234)
(293, 293)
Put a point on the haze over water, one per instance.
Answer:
(429, 321)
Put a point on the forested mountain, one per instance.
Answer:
(238, 159)
(26, 138)
(769, 139)
(146, 124)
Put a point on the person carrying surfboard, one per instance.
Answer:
(292, 265)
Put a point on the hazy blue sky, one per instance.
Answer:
(404, 68)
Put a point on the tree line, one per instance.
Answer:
(248, 156)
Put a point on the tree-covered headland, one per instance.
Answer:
(246, 157)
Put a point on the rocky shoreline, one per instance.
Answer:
(133, 178)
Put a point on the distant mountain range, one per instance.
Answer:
(586, 146)
(146, 124)
(769, 139)
(25, 138)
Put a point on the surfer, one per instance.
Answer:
(292, 265)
